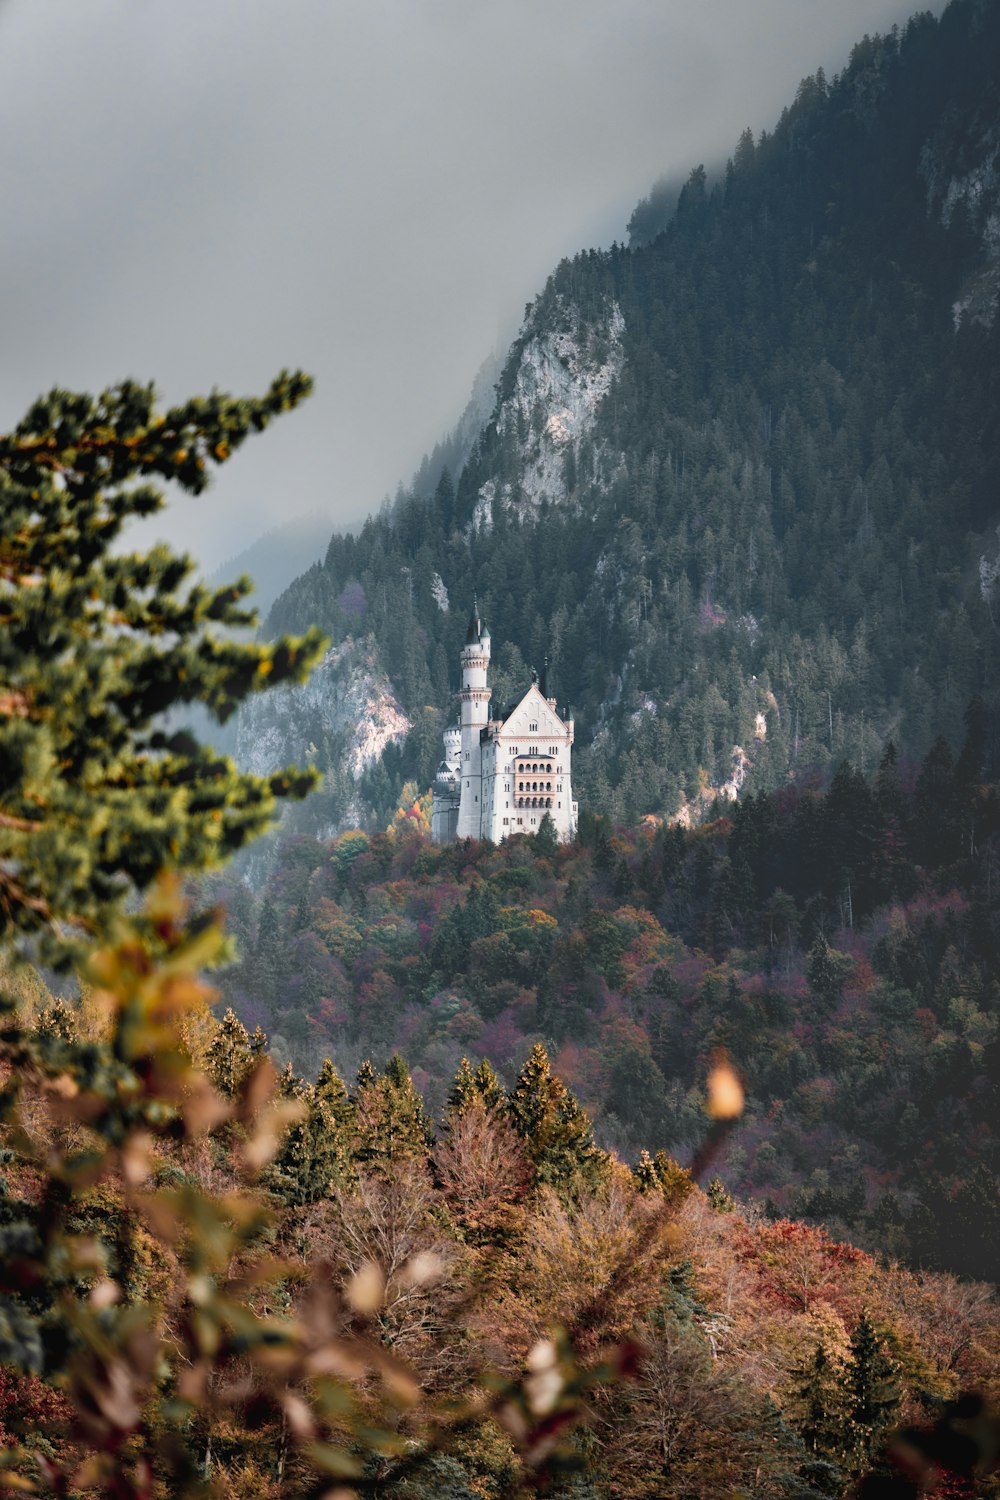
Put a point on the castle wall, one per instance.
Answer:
(444, 819)
(529, 772)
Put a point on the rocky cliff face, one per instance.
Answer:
(346, 713)
(962, 172)
(566, 368)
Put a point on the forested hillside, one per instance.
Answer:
(739, 484)
(842, 947)
(437, 1297)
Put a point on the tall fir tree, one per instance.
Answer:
(230, 1054)
(315, 1156)
(872, 1392)
(556, 1131)
(392, 1124)
(817, 1404)
(96, 643)
(481, 1088)
(331, 1089)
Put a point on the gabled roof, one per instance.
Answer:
(533, 708)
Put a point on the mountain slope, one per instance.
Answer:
(736, 481)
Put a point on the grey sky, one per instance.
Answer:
(202, 191)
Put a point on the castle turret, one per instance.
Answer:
(453, 746)
(475, 700)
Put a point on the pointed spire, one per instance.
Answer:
(472, 633)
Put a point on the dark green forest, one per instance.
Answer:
(770, 536)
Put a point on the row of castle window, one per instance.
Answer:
(534, 802)
(523, 768)
(534, 786)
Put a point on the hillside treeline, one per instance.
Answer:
(840, 942)
(739, 1352)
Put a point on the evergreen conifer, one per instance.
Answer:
(872, 1392)
(482, 1087)
(230, 1054)
(330, 1088)
(556, 1131)
(315, 1156)
(96, 644)
(489, 1086)
(463, 1089)
(392, 1123)
(663, 1175)
(818, 1401)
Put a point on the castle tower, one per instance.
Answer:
(475, 699)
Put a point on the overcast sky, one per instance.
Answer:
(200, 192)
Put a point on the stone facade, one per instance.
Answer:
(502, 773)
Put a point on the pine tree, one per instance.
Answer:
(391, 1121)
(463, 1089)
(663, 1175)
(787, 1470)
(719, 1196)
(530, 1102)
(489, 1086)
(827, 970)
(556, 1131)
(547, 837)
(230, 1054)
(645, 1173)
(871, 1388)
(480, 1088)
(95, 644)
(818, 1406)
(330, 1088)
(315, 1157)
(366, 1076)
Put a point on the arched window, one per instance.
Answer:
(548, 802)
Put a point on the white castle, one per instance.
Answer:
(502, 775)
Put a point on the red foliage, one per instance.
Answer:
(29, 1408)
(798, 1266)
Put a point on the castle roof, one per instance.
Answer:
(542, 713)
(474, 632)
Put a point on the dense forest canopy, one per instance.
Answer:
(842, 947)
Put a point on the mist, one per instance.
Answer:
(203, 193)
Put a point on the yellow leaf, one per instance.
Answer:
(725, 1093)
(366, 1288)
